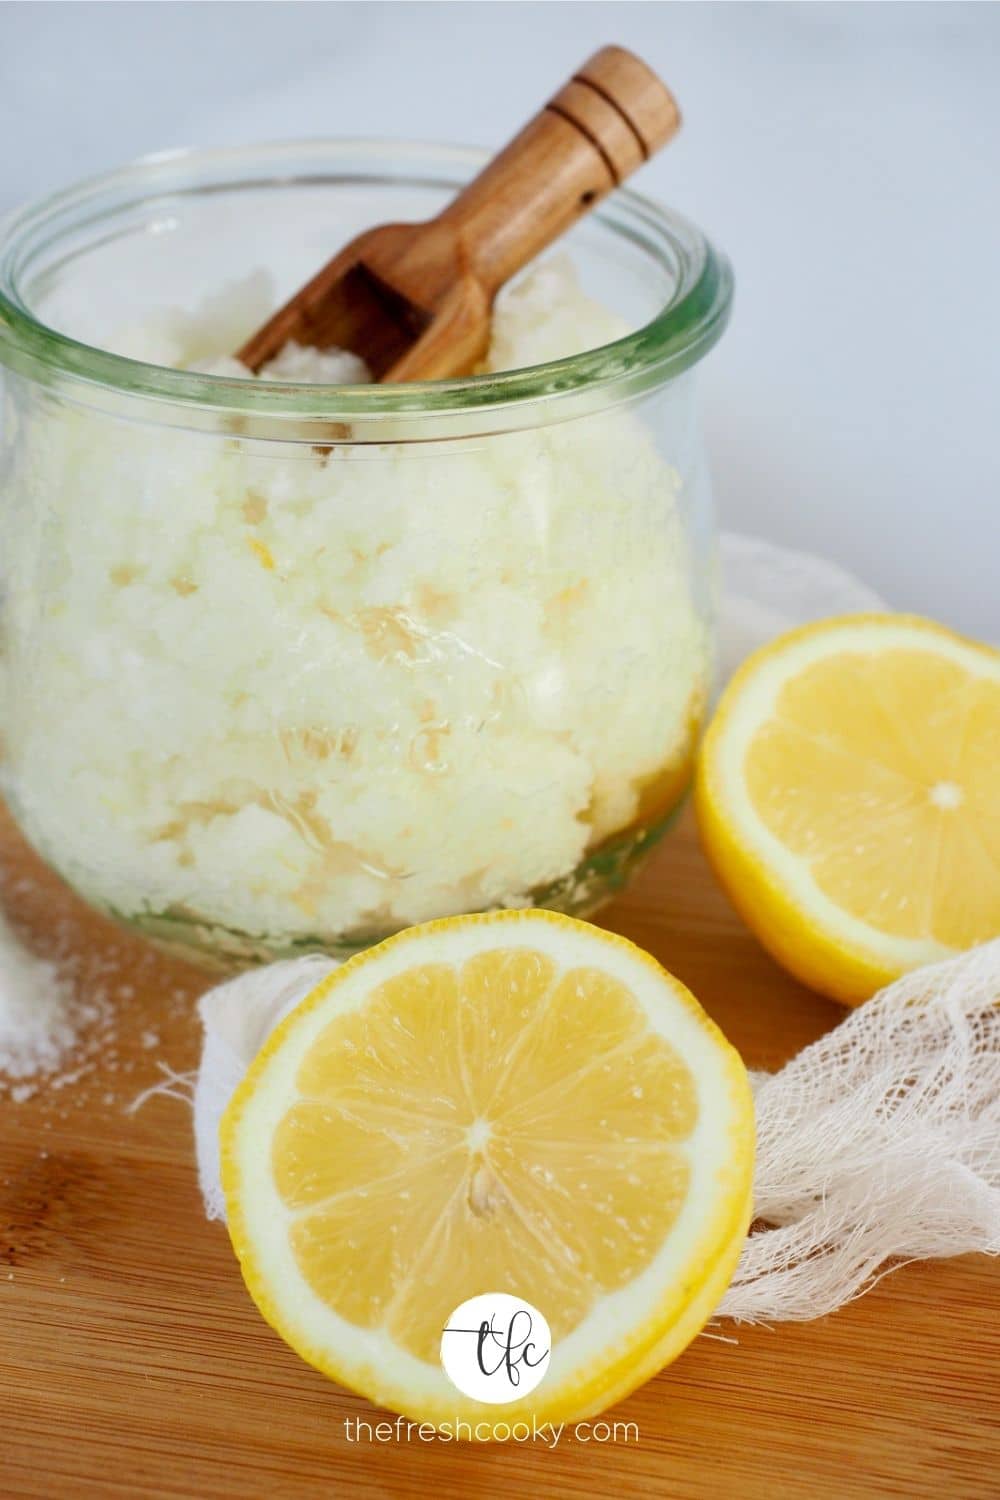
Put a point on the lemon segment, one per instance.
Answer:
(848, 794)
(517, 1102)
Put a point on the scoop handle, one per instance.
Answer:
(611, 116)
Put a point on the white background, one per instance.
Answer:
(846, 156)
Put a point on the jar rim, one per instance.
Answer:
(678, 336)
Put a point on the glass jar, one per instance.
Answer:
(285, 667)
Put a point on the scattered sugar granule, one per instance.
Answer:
(58, 1020)
(37, 1028)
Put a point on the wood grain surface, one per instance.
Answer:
(134, 1364)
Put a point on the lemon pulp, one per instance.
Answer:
(468, 1130)
(849, 795)
(514, 1102)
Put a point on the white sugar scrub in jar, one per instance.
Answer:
(286, 666)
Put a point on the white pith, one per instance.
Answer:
(756, 703)
(716, 1149)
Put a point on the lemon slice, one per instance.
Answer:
(848, 795)
(517, 1103)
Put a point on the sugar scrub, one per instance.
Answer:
(36, 1024)
(259, 697)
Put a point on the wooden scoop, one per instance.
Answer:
(414, 300)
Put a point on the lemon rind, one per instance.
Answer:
(798, 924)
(669, 1318)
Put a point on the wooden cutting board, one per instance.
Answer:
(134, 1364)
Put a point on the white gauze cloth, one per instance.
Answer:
(877, 1144)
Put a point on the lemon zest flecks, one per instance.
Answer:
(262, 552)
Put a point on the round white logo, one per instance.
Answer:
(496, 1348)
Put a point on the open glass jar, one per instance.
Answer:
(288, 667)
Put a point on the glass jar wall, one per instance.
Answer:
(288, 667)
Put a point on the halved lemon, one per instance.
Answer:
(519, 1103)
(848, 795)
